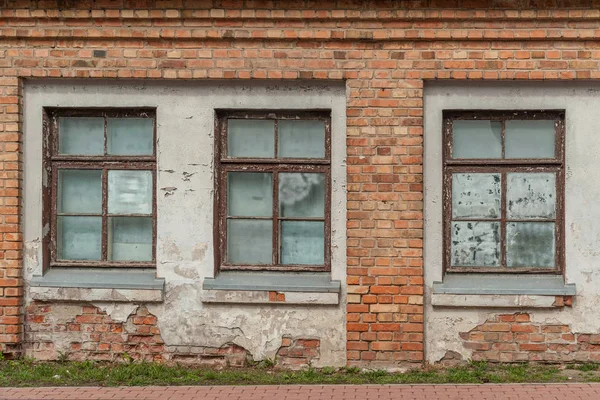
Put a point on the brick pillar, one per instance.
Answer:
(385, 217)
(11, 254)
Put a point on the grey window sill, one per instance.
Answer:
(94, 284)
(491, 284)
(271, 288)
(281, 282)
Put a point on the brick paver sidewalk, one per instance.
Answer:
(315, 392)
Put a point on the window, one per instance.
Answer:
(504, 191)
(102, 202)
(273, 190)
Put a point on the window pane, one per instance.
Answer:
(475, 244)
(476, 195)
(129, 192)
(130, 136)
(530, 244)
(301, 139)
(476, 139)
(79, 238)
(249, 242)
(301, 195)
(79, 191)
(531, 195)
(84, 136)
(529, 139)
(250, 194)
(130, 238)
(250, 138)
(302, 242)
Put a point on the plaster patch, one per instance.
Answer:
(199, 251)
(119, 312)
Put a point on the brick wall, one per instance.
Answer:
(384, 50)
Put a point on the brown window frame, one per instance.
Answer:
(503, 166)
(53, 162)
(275, 165)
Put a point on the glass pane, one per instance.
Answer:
(476, 195)
(302, 242)
(79, 238)
(129, 192)
(301, 139)
(530, 244)
(250, 194)
(250, 138)
(130, 238)
(301, 195)
(476, 139)
(84, 136)
(249, 242)
(130, 136)
(529, 139)
(475, 244)
(531, 195)
(79, 191)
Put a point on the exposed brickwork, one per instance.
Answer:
(514, 338)
(384, 50)
(298, 352)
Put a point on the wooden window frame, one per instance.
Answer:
(503, 166)
(225, 164)
(53, 162)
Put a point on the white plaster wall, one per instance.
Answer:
(185, 180)
(582, 104)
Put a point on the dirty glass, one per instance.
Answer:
(302, 242)
(249, 241)
(531, 195)
(476, 139)
(250, 194)
(529, 139)
(129, 192)
(475, 244)
(530, 244)
(476, 195)
(301, 138)
(301, 194)
(79, 238)
(130, 136)
(130, 238)
(79, 191)
(81, 136)
(250, 138)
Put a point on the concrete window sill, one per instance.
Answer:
(84, 284)
(271, 288)
(522, 291)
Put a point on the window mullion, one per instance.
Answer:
(503, 181)
(276, 260)
(105, 249)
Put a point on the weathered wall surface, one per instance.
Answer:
(185, 182)
(557, 332)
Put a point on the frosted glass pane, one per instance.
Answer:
(529, 139)
(476, 139)
(130, 136)
(476, 195)
(530, 244)
(301, 139)
(79, 238)
(130, 238)
(531, 195)
(249, 194)
(301, 195)
(302, 242)
(78, 135)
(79, 191)
(129, 192)
(249, 242)
(250, 138)
(475, 244)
